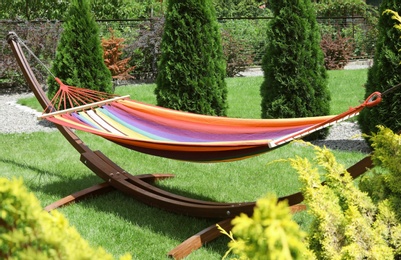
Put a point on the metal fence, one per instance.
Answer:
(42, 37)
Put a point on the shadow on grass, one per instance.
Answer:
(24, 165)
(175, 226)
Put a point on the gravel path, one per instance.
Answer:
(15, 118)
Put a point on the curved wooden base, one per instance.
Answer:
(99, 189)
(208, 234)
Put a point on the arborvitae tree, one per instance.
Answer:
(385, 72)
(79, 55)
(295, 79)
(192, 67)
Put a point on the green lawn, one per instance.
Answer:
(51, 169)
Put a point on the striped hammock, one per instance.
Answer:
(181, 135)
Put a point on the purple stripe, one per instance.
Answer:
(175, 133)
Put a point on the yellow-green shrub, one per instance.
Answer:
(384, 184)
(347, 223)
(29, 232)
(269, 234)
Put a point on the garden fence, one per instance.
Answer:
(142, 38)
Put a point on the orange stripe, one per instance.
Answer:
(226, 121)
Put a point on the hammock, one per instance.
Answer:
(181, 135)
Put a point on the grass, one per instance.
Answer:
(51, 169)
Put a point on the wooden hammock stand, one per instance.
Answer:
(139, 186)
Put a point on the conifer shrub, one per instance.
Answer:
(385, 73)
(295, 78)
(29, 232)
(192, 69)
(79, 54)
(112, 54)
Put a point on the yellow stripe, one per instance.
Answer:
(129, 132)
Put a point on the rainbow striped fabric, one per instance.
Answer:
(187, 136)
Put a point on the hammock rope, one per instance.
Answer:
(70, 96)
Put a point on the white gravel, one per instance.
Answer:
(15, 118)
(345, 136)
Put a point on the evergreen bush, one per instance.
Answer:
(385, 73)
(79, 55)
(29, 232)
(192, 68)
(112, 54)
(295, 79)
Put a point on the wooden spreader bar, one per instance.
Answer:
(82, 108)
(139, 186)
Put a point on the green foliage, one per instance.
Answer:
(32, 9)
(192, 66)
(79, 55)
(253, 32)
(240, 8)
(385, 182)
(269, 234)
(125, 9)
(347, 224)
(295, 82)
(340, 8)
(363, 35)
(29, 232)
(56, 9)
(385, 73)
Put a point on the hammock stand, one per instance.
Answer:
(139, 186)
